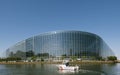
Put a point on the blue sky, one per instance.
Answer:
(20, 19)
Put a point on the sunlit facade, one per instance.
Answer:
(61, 43)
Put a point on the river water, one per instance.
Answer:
(51, 69)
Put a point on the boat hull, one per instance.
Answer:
(64, 67)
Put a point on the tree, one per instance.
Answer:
(34, 58)
(43, 54)
(83, 57)
(112, 58)
(74, 57)
(63, 56)
(42, 59)
(12, 59)
(99, 58)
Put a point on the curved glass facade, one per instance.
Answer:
(62, 43)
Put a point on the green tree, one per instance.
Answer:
(112, 58)
(63, 56)
(83, 57)
(42, 59)
(34, 58)
(99, 58)
(74, 57)
(12, 59)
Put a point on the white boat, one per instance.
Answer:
(64, 67)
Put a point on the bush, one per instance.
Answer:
(10, 59)
(42, 59)
(112, 58)
(34, 58)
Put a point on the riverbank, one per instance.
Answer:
(118, 61)
(73, 62)
(30, 62)
(93, 62)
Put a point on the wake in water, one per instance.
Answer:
(81, 71)
(91, 71)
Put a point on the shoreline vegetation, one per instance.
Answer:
(73, 62)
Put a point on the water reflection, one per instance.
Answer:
(51, 69)
(111, 69)
(68, 71)
(81, 72)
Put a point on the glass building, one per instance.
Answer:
(61, 43)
